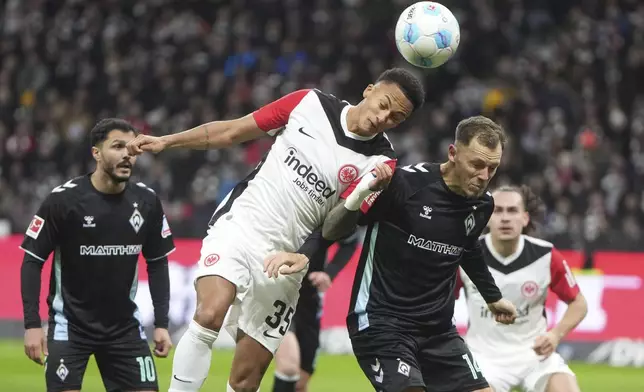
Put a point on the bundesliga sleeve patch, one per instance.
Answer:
(165, 228)
(35, 227)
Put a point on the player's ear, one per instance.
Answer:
(367, 91)
(96, 153)
(451, 153)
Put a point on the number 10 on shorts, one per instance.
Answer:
(473, 365)
(146, 366)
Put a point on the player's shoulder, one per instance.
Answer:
(72, 185)
(67, 192)
(537, 242)
(486, 201)
(143, 191)
(418, 175)
(421, 170)
(329, 101)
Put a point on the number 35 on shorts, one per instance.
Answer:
(473, 365)
(280, 319)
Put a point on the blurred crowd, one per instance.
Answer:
(566, 79)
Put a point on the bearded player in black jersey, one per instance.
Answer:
(420, 229)
(96, 226)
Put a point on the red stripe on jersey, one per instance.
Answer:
(275, 114)
(562, 281)
(368, 202)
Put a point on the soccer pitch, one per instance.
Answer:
(335, 374)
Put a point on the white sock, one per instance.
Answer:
(192, 357)
(229, 388)
(284, 377)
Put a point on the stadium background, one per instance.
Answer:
(565, 78)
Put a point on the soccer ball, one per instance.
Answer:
(427, 34)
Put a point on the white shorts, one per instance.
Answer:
(263, 307)
(521, 371)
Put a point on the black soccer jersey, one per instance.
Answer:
(418, 233)
(96, 239)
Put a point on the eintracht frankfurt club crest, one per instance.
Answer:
(347, 174)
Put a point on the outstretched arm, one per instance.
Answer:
(215, 134)
(221, 134)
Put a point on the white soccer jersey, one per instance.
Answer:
(524, 279)
(313, 162)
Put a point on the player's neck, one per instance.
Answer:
(353, 121)
(505, 248)
(105, 184)
(447, 173)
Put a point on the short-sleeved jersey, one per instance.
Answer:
(313, 162)
(96, 239)
(418, 232)
(524, 279)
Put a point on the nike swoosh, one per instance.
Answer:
(269, 335)
(180, 380)
(301, 130)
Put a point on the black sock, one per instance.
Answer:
(284, 383)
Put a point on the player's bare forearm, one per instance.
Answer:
(340, 222)
(215, 134)
(577, 310)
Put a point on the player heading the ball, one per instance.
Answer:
(323, 147)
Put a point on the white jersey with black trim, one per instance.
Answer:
(313, 162)
(524, 278)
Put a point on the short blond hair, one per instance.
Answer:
(481, 128)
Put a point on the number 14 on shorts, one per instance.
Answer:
(473, 365)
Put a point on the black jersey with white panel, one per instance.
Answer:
(419, 231)
(96, 239)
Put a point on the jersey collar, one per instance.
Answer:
(500, 258)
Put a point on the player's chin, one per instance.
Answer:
(474, 194)
(506, 236)
(122, 174)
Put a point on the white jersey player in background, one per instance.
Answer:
(323, 147)
(522, 354)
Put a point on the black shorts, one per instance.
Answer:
(394, 361)
(306, 325)
(125, 365)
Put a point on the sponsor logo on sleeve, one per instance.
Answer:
(35, 227)
(165, 228)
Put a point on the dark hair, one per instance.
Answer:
(486, 132)
(99, 133)
(533, 205)
(409, 84)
